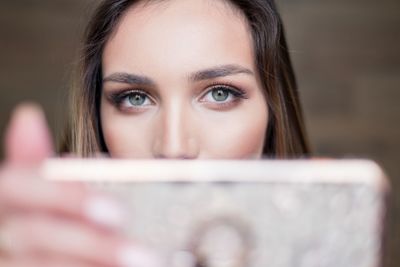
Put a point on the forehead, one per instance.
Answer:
(195, 33)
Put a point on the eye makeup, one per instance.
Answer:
(222, 96)
(216, 96)
(130, 99)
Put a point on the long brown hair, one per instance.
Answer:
(285, 135)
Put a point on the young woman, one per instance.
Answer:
(182, 79)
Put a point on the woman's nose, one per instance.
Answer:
(176, 137)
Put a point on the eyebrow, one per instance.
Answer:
(219, 71)
(207, 74)
(129, 78)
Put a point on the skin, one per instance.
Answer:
(51, 224)
(171, 43)
(179, 47)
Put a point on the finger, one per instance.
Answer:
(28, 140)
(34, 262)
(55, 238)
(66, 199)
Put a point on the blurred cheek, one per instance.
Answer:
(239, 137)
(237, 134)
(126, 136)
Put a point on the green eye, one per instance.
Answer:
(136, 99)
(220, 95)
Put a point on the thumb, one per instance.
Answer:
(28, 140)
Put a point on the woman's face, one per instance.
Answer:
(179, 81)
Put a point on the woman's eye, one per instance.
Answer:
(137, 99)
(131, 99)
(222, 94)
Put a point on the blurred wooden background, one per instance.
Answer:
(346, 55)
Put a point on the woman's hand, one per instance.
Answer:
(55, 224)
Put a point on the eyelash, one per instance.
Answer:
(235, 94)
(117, 98)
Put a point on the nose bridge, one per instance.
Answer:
(175, 138)
(174, 127)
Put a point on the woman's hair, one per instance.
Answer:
(285, 134)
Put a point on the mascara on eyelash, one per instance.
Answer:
(234, 91)
(118, 97)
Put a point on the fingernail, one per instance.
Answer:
(104, 211)
(130, 256)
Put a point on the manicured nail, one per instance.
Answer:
(104, 211)
(132, 256)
